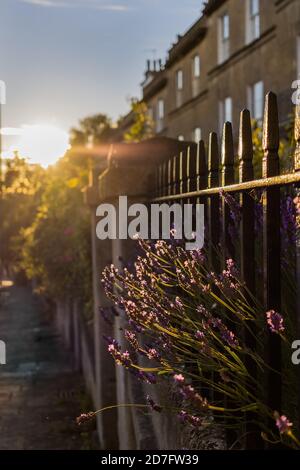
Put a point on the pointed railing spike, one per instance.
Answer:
(297, 138)
(227, 155)
(201, 166)
(270, 141)
(213, 160)
(245, 150)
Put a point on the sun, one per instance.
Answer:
(43, 144)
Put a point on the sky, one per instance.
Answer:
(62, 60)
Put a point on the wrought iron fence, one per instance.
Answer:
(192, 177)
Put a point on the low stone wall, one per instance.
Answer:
(78, 339)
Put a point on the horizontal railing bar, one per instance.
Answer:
(282, 180)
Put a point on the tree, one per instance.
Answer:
(95, 129)
(143, 126)
(21, 190)
(56, 247)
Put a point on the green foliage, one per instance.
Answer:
(21, 190)
(143, 127)
(56, 247)
(285, 148)
(93, 129)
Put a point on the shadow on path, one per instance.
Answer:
(40, 394)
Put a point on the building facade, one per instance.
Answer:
(228, 60)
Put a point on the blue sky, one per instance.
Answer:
(65, 59)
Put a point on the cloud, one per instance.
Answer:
(7, 131)
(91, 4)
(45, 3)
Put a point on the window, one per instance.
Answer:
(197, 134)
(196, 66)
(253, 20)
(150, 113)
(256, 100)
(160, 109)
(181, 138)
(224, 36)
(160, 115)
(179, 79)
(225, 112)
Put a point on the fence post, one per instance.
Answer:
(297, 138)
(271, 244)
(169, 177)
(159, 181)
(297, 168)
(201, 169)
(182, 172)
(227, 153)
(213, 201)
(246, 173)
(175, 174)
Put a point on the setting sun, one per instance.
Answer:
(43, 144)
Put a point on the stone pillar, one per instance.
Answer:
(105, 376)
(135, 430)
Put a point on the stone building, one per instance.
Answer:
(226, 61)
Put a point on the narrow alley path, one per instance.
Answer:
(40, 394)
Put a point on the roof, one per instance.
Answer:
(157, 83)
(211, 6)
(188, 41)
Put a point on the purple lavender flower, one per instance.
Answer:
(182, 415)
(199, 335)
(120, 358)
(178, 303)
(198, 256)
(152, 353)
(194, 421)
(203, 311)
(153, 405)
(85, 417)
(275, 321)
(137, 328)
(296, 202)
(132, 339)
(234, 206)
(145, 377)
(179, 379)
(282, 423)
(229, 337)
(189, 393)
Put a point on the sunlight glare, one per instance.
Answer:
(43, 144)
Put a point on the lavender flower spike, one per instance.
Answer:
(179, 378)
(282, 423)
(275, 322)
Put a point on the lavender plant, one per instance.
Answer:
(189, 324)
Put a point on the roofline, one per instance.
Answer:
(188, 41)
(211, 6)
(158, 83)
